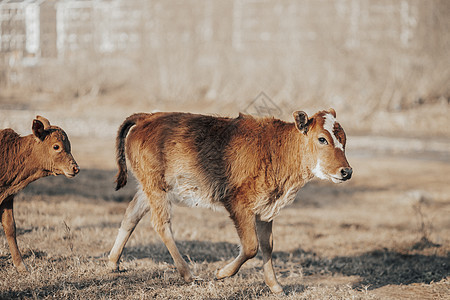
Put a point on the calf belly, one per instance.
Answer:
(186, 190)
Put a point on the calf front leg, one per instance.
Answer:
(264, 230)
(137, 208)
(244, 221)
(9, 226)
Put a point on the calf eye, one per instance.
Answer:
(56, 147)
(323, 141)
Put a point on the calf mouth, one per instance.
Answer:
(336, 179)
(70, 175)
(74, 170)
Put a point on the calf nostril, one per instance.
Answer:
(76, 169)
(346, 173)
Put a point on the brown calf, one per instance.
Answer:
(251, 167)
(26, 159)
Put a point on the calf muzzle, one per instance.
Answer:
(346, 173)
(76, 169)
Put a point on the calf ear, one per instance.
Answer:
(301, 121)
(333, 112)
(39, 130)
(44, 121)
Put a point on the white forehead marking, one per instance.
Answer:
(329, 125)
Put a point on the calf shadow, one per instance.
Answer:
(196, 251)
(384, 267)
(376, 268)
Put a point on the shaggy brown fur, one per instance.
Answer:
(24, 160)
(251, 167)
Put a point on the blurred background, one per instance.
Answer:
(86, 65)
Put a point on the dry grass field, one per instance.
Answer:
(383, 235)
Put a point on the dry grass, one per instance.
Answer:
(361, 240)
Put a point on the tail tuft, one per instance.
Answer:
(121, 179)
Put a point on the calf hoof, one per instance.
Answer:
(222, 273)
(277, 290)
(113, 266)
(21, 268)
(188, 277)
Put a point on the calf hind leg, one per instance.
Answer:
(161, 223)
(137, 208)
(9, 226)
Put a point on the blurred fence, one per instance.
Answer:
(356, 54)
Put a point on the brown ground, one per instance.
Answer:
(383, 235)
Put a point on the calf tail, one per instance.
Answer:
(121, 177)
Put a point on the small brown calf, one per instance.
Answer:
(26, 159)
(252, 167)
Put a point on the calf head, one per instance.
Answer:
(326, 144)
(53, 149)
